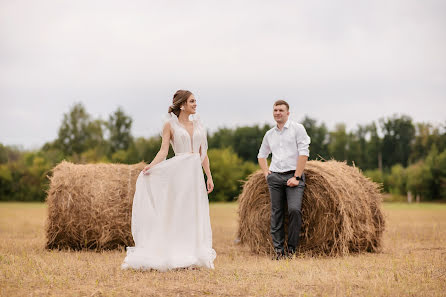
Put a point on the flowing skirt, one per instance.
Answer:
(170, 217)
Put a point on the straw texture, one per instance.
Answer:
(90, 206)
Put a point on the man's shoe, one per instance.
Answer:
(291, 253)
(279, 255)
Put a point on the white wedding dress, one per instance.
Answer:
(170, 215)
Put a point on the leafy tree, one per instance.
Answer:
(379, 177)
(6, 182)
(95, 139)
(9, 154)
(25, 179)
(357, 146)
(440, 165)
(222, 138)
(94, 155)
(426, 137)
(319, 138)
(338, 143)
(398, 180)
(442, 137)
(119, 126)
(247, 141)
(353, 150)
(372, 153)
(436, 164)
(120, 156)
(399, 133)
(419, 179)
(228, 170)
(145, 149)
(3, 154)
(77, 132)
(52, 154)
(422, 141)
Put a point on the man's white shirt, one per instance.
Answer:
(286, 145)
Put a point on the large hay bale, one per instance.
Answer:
(341, 212)
(90, 206)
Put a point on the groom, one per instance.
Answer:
(288, 142)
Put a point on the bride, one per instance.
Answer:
(170, 215)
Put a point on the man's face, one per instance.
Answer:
(280, 113)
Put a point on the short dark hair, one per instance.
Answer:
(282, 102)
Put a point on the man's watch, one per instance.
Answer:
(298, 177)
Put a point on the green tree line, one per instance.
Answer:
(402, 155)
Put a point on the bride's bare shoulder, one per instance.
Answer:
(167, 129)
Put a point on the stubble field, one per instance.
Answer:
(412, 263)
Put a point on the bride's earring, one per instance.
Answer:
(182, 107)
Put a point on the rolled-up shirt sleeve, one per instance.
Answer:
(303, 141)
(264, 150)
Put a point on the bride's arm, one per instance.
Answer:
(206, 167)
(164, 150)
(207, 170)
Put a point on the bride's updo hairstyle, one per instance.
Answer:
(179, 99)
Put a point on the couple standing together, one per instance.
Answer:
(170, 225)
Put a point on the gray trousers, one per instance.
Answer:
(281, 193)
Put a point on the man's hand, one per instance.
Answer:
(210, 185)
(264, 166)
(292, 182)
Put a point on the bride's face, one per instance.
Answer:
(191, 105)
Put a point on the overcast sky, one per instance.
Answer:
(336, 61)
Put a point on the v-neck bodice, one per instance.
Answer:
(191, 136)
(182, 141)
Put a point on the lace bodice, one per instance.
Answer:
(182, 141)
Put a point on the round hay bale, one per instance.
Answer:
(341, 212)
(90, 206)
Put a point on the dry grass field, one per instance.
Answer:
(412, 263)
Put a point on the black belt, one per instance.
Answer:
(286, 172)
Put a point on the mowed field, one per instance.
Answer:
(412, 263)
